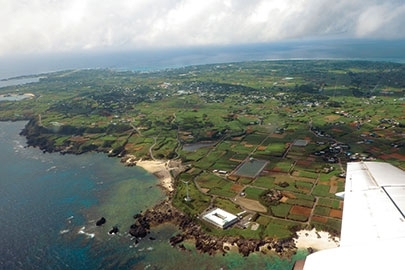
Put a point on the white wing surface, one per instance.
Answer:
(374, 203)
(373, 223)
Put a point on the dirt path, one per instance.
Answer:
(250, 204)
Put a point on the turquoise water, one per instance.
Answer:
(49, 204)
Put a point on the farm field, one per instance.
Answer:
(267, 139)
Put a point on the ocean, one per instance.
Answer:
(49, 204)
(149, 59)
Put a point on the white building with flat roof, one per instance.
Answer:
(220, 218)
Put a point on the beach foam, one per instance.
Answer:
(89, 235)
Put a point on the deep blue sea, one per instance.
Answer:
(49, 204)
(149, 59)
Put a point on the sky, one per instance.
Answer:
(56, 26)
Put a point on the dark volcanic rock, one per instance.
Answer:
(174, 240)
(114, 230)
(101, 221)
(248, 246)
(138, 231)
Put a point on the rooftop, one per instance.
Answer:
(250, 168)
(220, 218)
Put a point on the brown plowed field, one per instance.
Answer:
(335, 213)
(237, 188)
(301, 210)
(393, 156)
(320, 219)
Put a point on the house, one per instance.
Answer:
(220, 218)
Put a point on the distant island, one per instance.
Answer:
(266, 142)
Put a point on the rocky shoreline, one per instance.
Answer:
(164, 212)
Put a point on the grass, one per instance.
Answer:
(199, 202)
(325, 177)
(263, 220)
(248, 234)
(301, 202)
(322, 191)
(321, 210)
(280, 210)
(331, 225)
(255, 139)
(253, 193)
(223, 190)
(298, 217)
(307, 174)
(225, 165)
(335, 204)
(208, 180)
(303, 185)
(283, 166)
(216, 185)
(227, 205)
(279, 228)
(276, 149)
(264, 182)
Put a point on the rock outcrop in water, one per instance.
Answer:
(140, 228)
(114, 230)
(101, 221)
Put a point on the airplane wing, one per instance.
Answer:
(373, 222)
(374, 203)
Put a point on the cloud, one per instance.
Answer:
(32, 26)
(382, 20)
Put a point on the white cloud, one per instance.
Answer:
(382, 20)
(30, 26)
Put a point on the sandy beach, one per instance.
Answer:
(160, 169)
(316, 240)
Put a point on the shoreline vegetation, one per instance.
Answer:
(280, 135)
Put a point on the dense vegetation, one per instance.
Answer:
(306, 118)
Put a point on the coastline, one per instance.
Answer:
(316, 240)
(160, 169)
